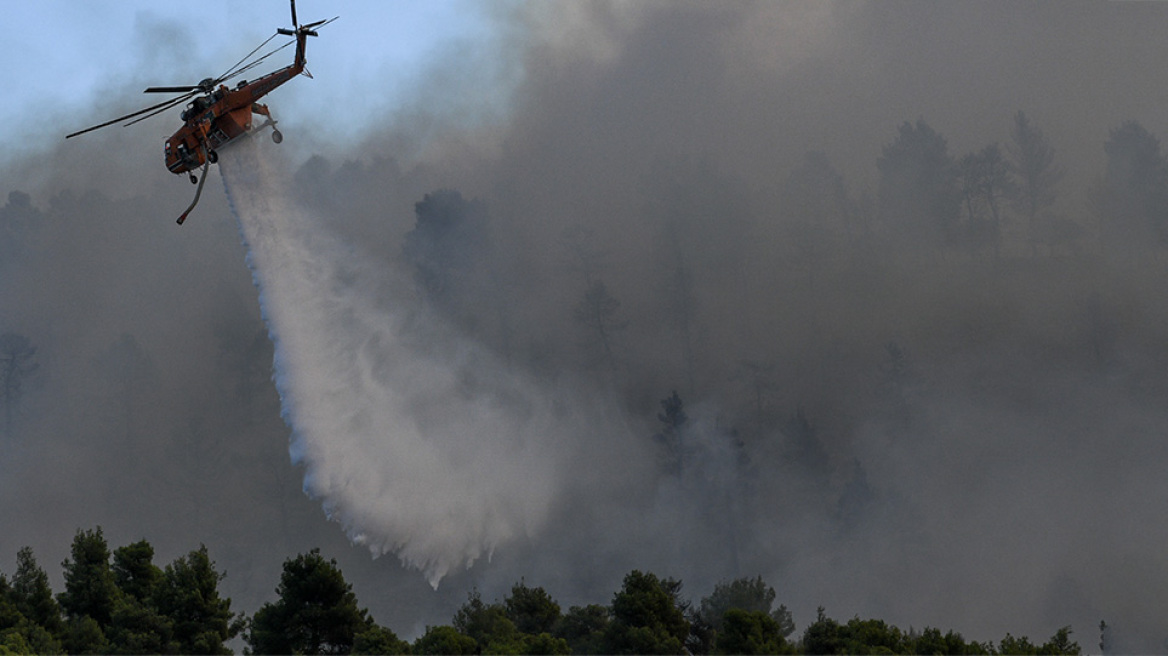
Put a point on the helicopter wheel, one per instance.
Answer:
(277, 136)
(194, 179)
(212, 156)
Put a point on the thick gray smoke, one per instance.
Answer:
(421, 443)
(480, 321)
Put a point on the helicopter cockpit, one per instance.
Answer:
(196, 106)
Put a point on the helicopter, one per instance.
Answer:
(216, 115)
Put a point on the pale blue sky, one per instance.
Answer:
(72, 63)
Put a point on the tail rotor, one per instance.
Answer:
(298, 29)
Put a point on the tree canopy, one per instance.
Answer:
(120, 602)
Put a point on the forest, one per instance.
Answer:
(120, 602)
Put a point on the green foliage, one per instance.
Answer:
(188, 593)
(545, 643)
(583, 628)
(646, 617)
(744, 594)
(1010, 646)
(90, 590)
(37, 638)
(316, 613)
(488, 625)
(179, 610)
(872, 636)
(751, 595)
(31, 594)
(444, 640)
(750, 632)
(83, 635)
(138, 628)
(823, 636)
(827, 636)
(379, 640)
(134, 570)
(131, 607)
(9, 615)
(875, 636)
(12, 642)
(931, 641)
(532, 610)
(1061, 643)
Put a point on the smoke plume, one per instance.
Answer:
(419, 442)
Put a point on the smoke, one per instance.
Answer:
(873, 424)
(417, 441)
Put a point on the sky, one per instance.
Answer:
(73, 60)
(876, 421)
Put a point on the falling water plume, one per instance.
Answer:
(419, 443)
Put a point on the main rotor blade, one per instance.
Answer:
(173, 103)
(239, 67)
(319, 23)
(243, 69)
(170, 89)
(164, 105)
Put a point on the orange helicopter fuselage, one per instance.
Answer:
(219, 118)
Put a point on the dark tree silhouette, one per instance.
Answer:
(188, 594)
(646, 617)
(532, 610)
(446, 244)
(803, 443)
(17, 364)
(986, 183)
(90, 592)
(32, 595)
(918, 194)
(1134, 198)
(745, 594)
(598, 311)
(1036, 174)
(19, 219)
(671, 437)
(316, 613)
